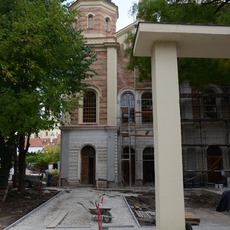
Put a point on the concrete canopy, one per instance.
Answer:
(191, 40)
(164, 43)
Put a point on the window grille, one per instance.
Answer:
(89, 107)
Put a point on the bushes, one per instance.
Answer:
(42, 159)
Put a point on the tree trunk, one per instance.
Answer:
(5, 161)
(22, 161)
(15, 176)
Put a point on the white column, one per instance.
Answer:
(111, 85)
(170, 212)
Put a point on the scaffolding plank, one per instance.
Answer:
(192, 218)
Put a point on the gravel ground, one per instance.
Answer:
(76, 215)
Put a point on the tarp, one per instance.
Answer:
(224, 204)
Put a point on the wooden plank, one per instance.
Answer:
(145, 216)
(58, 220)
(192, 218)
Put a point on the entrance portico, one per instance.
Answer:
(164, 43)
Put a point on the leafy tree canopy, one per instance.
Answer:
(42, 58)
(199, 72)
(43, 61)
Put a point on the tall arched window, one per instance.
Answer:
(210, 106)
(90, 21)
(146, 106)
(107, 24)
(90, 107)
(128, 107)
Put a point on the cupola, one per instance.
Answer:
(96, 18)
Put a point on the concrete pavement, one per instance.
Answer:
(64, 212)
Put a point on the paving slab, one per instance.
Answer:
(65, 212)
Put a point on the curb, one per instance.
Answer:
(135, 219)
(30, 213)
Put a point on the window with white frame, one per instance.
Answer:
(107, 24)
(90, 21)
(128, 107)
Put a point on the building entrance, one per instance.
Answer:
(88, 165)
(148, 166)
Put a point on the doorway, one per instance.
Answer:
(88, 165)
(214, 164)
(125, 166)
(148, 166)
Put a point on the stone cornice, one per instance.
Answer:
(85, 127)
(102, 41)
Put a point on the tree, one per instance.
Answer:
(43, 61)
(199, 72)
(51, 155)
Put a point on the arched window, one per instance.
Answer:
(210, 106)
(107, 24)
(90, 107)
(146, 106)
(127, 107)
(90, 21)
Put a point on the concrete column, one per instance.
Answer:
(111, 85)
(170, 212)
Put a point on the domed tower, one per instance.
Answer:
(97, 17)
(90, 137)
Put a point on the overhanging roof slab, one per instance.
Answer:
(198, 41)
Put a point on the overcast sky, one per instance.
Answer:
(125, 17)
(124, 7)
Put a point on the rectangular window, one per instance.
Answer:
(89, 107)
(147, 115)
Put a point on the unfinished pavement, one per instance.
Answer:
(63, 212)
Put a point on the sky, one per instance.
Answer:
(124, 8)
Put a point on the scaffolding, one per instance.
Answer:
(131, 131)
(205, 128)
(205, 125)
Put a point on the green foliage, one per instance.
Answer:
(199, 72)
(43, 62)
(42, 159)
(41, 59)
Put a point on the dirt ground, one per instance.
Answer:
(17, 205)
(202, 204)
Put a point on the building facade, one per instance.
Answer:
(110, 137)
